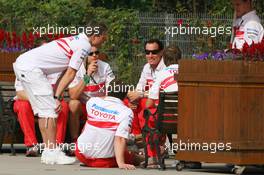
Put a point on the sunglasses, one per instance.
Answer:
(92, 53)
(154, 52)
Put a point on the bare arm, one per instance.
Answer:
(65, 81)
(21, 95)
(120, 147)
(76, 91)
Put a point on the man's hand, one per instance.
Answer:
(133, 95)
(58, 106)
(92, 67)
(127, 167)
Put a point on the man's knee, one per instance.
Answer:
(74, 106)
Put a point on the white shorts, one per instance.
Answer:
(39, 92)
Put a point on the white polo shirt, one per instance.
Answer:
(101, 78)
(247, 29)
(148, 75)
(107, 118)
(57, 55)
(165, 81)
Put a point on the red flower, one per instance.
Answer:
(180, 22)
(24, 40)
(2, 37)
(252, 51)
(245, 50)
(18, 42)
(50, 36)
(8, 39)
(56, 36)
(36, 35)
(14, 35)
(31, 40)
(61, 35)
(209, 23)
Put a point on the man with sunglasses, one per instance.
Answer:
(100, 75)
(33, 67)
(137, 99)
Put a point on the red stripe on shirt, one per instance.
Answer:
(93, 88)
(69, 52)
(102, 124)
(239, 33)
(148, 85)
(167, 82)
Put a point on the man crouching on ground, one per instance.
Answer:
(103, 140)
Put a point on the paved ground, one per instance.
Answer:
(21, 165)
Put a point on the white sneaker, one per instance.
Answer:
(56, 156)
(43, 155)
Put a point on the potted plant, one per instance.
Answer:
(221, 112)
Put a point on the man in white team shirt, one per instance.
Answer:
(102, 142)
(247, 26)
(32, 68)
(101, 75)
(137, 99)
(164, 81)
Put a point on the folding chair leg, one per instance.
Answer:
(13, 151)
(170, 139)
(160, 158)
(145, 150)
(14, 131)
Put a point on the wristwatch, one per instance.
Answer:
(57, 97)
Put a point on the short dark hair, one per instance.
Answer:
(121, 93)
(101, 28)
(171, 55)
(160, 44)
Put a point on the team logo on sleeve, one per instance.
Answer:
(84, 54)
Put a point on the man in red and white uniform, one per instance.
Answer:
(32, 68)
(26, 117)
(137, 99)
(247, 26)
(165, 81)
(101, 75)
(102, 142)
